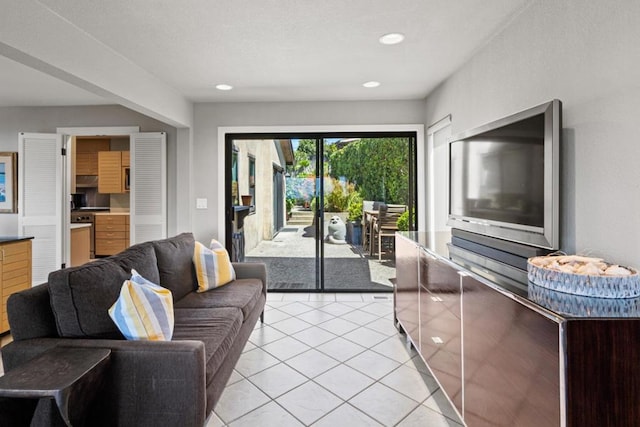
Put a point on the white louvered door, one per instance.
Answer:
(148, 207)
(40, 200)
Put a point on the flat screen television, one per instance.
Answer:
(504, 178)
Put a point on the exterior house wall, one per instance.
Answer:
(259, 224)
(588, 56)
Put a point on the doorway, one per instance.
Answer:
(307, 222)
(45, 187)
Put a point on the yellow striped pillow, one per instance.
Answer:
(144, 310)
(213, 266)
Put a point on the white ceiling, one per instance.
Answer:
(274, 50)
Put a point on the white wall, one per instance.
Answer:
(47, 119)
(587, 54)
(209, 116)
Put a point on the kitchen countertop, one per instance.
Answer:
(9, 239)
(79, 225)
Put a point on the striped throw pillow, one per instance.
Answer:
(213, 266)
(144, 310)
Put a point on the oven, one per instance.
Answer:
(83, 217)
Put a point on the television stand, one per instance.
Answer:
(505, 356)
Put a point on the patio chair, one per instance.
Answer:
(387, 225)
(367, 205)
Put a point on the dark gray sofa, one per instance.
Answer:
(149, 383)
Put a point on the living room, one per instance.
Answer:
(586, 55)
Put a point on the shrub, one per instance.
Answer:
(337, 200)
(403, 221)
(355, 206)
(290, 203)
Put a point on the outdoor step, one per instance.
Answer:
(302, 218)
(298, 222)
(302, 214)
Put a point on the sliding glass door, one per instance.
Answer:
(366, 190)
(323, 208)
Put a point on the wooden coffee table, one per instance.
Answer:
(71, 376)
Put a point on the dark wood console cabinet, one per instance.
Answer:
(504, 359)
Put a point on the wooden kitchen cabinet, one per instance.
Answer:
(15, 274)
(111, 170)
(126, 159)
(87, 155)
(112, 233)
(80, 244)
(86, 164)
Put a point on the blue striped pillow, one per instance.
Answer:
(213, 266)
(144, 310)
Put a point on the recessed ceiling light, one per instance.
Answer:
(371, 84)
(224, 87)
(392, 38)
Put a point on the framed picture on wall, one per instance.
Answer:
(8, 183)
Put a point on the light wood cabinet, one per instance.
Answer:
(126, 159)
(86, 164)
(15, 274)
(87, 155)
(111, 173)
(112, 234)
(80, 244)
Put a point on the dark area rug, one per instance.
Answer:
(299, 274)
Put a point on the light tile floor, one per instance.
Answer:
(331, 360)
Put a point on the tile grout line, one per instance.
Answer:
(335, 336)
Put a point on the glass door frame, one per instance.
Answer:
(320, 137)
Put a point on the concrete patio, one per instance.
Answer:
(291, 263)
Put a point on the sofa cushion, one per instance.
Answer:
(141, 258)
(81, 296)
(175, 264)
(217, 328)
(144, 310)
(241, 293)
(213, 266)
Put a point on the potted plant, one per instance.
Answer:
(354, 224)
(289, 205)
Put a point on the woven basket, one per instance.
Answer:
(586, 285)
(582, 306)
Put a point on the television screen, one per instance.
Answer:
(504, 177)
(499, 175)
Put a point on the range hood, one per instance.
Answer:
(86, 181)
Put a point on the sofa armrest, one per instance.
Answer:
(149, 383)
(252, 270)
(30, 314)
